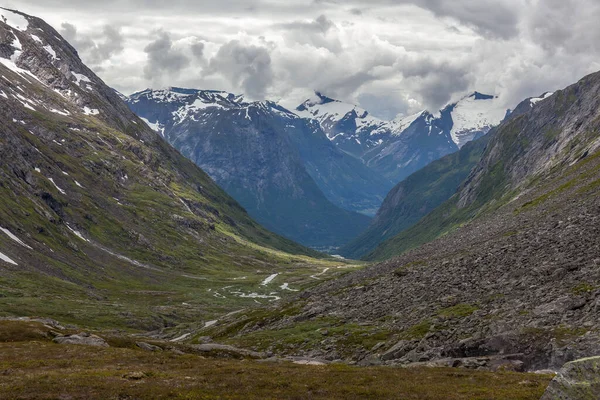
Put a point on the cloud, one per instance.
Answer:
(109, 43)
(164, 58)
(245, 66)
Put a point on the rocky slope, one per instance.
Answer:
(400, 147)
(514, 280)
(280, 167)
(101, 221)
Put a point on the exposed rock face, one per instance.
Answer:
(85, 339)
(280, 167)
(404, 145)
(577, 380)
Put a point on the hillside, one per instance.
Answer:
(425, 190)
(102, 222)
(415, 197)
(512, 280)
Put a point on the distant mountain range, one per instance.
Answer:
(279, 166)
(326, 158)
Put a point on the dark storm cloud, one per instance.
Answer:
(110, 43)
(197, 49)
(246, 66)
(163, 57)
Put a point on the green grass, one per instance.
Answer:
(458, 311)
(417, 331)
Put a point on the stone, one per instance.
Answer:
(84, 338)
(135, 376)
(147, 346)
(577, 380)
(399, 350)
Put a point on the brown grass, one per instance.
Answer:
(36, 368)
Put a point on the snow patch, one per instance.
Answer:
(56, 186)
(269, 279)
(77, 233)
(5, 258)
(13, 237)
(50, 51)
(64, 113)
(536, 100)
(286, 286)
(37, 39)
(154, 126)
(80, 78)
(471, 115)
(90, 111)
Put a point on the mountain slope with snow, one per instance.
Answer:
(404, 145)
(279, 166)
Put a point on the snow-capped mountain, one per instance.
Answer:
(282, 168)
(399, 147)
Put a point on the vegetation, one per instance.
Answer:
(458, 311)
(34, 368)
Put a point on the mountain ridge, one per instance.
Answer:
(102, 222)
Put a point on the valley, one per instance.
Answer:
(191, 243)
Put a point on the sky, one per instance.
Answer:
(391, 57)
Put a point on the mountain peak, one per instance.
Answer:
(480, 96)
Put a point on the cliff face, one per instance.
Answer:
(281, 168)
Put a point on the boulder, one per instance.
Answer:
(577, 380)
(86, 339)
(227, 351)
(148, 346)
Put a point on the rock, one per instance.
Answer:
(147, 346)
(577, 380)
(399, 350)
(135, 376)
(86, 339)
(230, 351)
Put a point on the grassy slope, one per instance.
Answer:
(32, 367)
(161, 237)
(416, 196)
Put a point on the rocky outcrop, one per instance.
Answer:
(84, 339)
(222, 350)
(577, 380)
